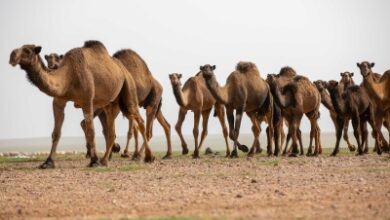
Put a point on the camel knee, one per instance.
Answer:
(178, 128)
(55, 136)
(195, 132)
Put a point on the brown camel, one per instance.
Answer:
(83, 77)
(53, 60)
(353, 102)
(298, 97)
(378, 90)
(196, 97)
(245, 91)
(149, 92)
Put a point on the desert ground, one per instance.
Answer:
(213, 187)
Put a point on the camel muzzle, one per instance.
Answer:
(13, 60)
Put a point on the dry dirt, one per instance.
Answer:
(213, 187)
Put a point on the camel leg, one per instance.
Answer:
(221, 117)
(339, 124)
(100, 113)
(282, 135)
(356, 130)
(58, 111)
(236, 133)
(205, 121)
(377, 132)
(314, 133)
(378, 123)
(148, 152)
(180, 120)
(256, 132)
(294, 123)
(110, 133)
(364, 134)
(195, 132)
(133, 129)
(167, 130)
(351, 147)
(299, 135)
(90, 134)
(151, 112)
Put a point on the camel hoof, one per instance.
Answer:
(208, 151)
(334, 153)
(352, 148)
(149, 159)
(293, 155)
(195, 156)
(136, 157)
(250, 155)
(184, 151)
(88, 155)
(48, 164)
(276, 154)
(234, 154)
(125, 155)
(259, 151)
(93, 164)
(167, 157)
(244, 148)
(103, 162)
(116, 148)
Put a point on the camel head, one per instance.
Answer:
(332, 85)
(272, 77)
(287, 72)
(321, 85)
(175, 79)
(208, 71)
(53, 60)
(346, 78)
(25, 55)
(365, 68)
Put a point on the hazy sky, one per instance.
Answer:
(317, 38)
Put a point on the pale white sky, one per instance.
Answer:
(317, 38)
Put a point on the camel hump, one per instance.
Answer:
(244, 67)
(132, 58)
(95, 45)
(300, 78)
(287, 71)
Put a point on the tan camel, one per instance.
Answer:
(378, 90)
(53, 60)
(195, 96)
(298, 97)
(83, 77)
(245, 91)
(149, 92)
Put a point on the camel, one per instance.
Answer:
(353, 102)
(296, 97)
(378, 91)
(83, 77)
(149, 92)
(53, 60)
(195, 96)
(244, 91)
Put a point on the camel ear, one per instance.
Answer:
(341, 74)
(372, 64)
(358, 64)
(213, 67)
(351, 74)
(61, 56)
(180, 75)
(37, 49)
(201, 68)
(46, 57)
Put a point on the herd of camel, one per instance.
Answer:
(103, 85)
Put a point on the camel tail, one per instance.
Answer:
(267, 104)
(292, 89)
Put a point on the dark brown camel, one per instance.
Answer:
(353, 102)
(298, 97)
(245, 91)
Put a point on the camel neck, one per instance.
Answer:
(218, 92)
(326, 100)
(177, 91)
(38, 75)
(337, 101)
(373, 88)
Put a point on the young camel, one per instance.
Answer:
(378, 90)
(296, 98)
(195, 96)
(82, 78)
(245, 91)
(353, 102)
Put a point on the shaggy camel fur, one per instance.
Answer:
(245, 91)
(83, 77)
(196, 97)
(353, 102)
(298, 97)
(377, 88)
(149, 92)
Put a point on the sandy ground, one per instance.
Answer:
(345, 187)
